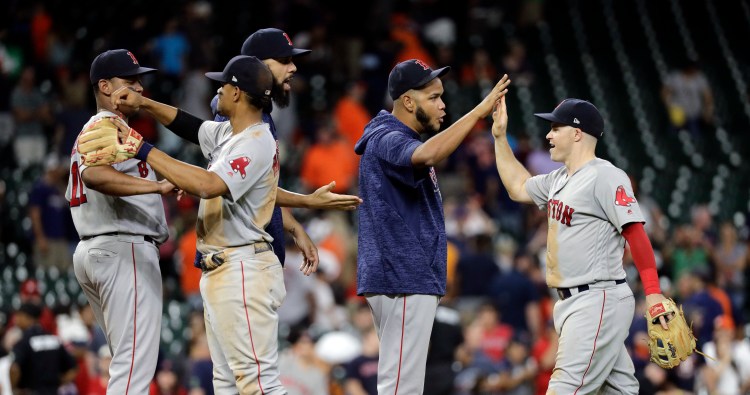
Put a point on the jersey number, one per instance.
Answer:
(142, 169)
(78, 196)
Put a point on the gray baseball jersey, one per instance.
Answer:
(248, 164)
(95, 213)
(118, 269)
(586, 212)
(240, 297)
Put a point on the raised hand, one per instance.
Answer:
(501, 88)
(324, 199)
(500, 119)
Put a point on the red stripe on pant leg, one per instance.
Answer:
(249, 331)
(135, 316)
(401, 347)
(601, 317)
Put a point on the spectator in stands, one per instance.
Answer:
(445, 339)
(730, 257)
(701, 309)
(729, 372)
(40, 362)
(302, 372)
(686, 251)
(475, 267)
(168, 379)
(656, 222)
(32, 114)
(518, 370)
(362, 372)
(689, 99)
(100, 376)
(331, 157)
(29, 293)
(516, 64)
(170, 49)
(544, 351)
(516, 296)
(50, 217)
(350, 112)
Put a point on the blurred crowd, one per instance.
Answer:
(493, 333)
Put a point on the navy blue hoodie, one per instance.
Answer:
(402, 244)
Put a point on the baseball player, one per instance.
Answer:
(402, 256)
(275, 49)
(242, 282)
(118, 213)
(592, 212)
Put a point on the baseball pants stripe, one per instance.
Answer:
(592, 328)
(121, 279)
(240, 299)
(404, 325)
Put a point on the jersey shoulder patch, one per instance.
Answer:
(239, 164)
(622, 198)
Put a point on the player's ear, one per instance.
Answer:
(578, 135)
(408, 102)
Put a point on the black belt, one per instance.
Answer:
(213, 261)
(145, 238)
(565, 293)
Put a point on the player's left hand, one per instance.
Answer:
(309, 251)
(654, 299)
(324, 199)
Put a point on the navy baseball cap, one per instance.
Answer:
(116, 63)
(247, 73)
(411, 74)
(578, 114)
(270, 43)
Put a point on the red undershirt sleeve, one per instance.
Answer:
(643, 256)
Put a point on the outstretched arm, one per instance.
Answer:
(440, 146)
(512, 172)
(107, 180)
(321, 199)
(192, 179)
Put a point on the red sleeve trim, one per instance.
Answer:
(643, 256)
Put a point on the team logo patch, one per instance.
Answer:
(656, 310)
(421, 63)
(238, 165)
(622, 198)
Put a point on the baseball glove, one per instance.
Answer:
(107, 141)
(669, 347)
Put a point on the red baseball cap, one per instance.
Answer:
(29, 288)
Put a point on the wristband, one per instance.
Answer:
(142, 153)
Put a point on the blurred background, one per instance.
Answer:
(670, 77)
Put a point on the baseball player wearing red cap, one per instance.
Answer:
(402, 255)
(242, 283)
(119, 215)
(592, 212)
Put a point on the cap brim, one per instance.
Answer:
(548, 116)
(298, 52)
(138, 71)
(216, 76)
(435, 74)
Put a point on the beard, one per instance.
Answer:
(424, 120)
(279, 95)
